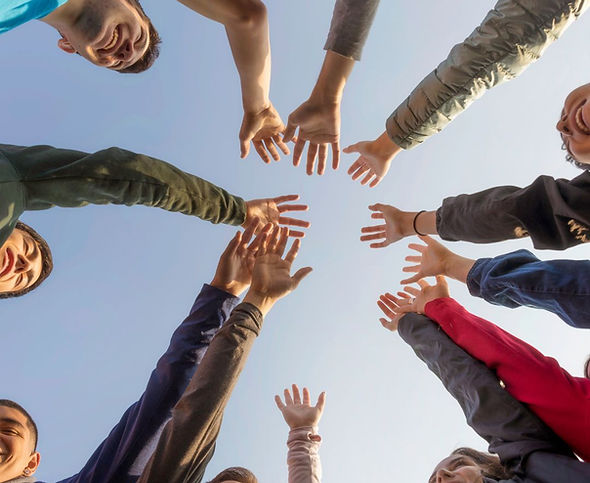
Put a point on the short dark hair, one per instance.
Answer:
(153, 50)
(490, 464)
(586, 364)
(46, 261)
(235, 473)
(7, 403)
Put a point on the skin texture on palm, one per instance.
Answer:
(298, 412)
(374, 159)
(271, 274)
(272, 210)
(435, 259)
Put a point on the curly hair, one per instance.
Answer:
(46, 261)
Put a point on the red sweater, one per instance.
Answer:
(559, 399)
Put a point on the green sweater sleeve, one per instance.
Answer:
(62, 177)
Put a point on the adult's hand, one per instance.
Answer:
(271, 276)
(234, 270)
(300, 413)
(264, 128)
(273, 210)
(397, 225)
(394, 308)
(426, 293)
(319, 124)
(374, 159)
(432, 259)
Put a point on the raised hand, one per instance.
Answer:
(319, 124)
(234, 270)
(432, 259)
(394, 308)
(397, 225)
(272, 210)
(264, 129)
(427, 293)
(271, 276)
(374, 159)
(300, 413)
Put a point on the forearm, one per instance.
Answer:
(350, 26)
(559, 399)
(332, 79)
(303, 456)
(188, 439)
(511, 37)
(520, 279)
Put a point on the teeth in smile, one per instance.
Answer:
(580, 121)
(113, 40)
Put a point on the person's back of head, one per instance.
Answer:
(235, 474)
(467, 465)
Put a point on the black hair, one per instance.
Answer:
(7, 403)
(153, 51)
(235, 473)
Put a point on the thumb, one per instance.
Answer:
(289, 130)
(321, 401)
(301, 274)
(353, 148)
(442, 281)
(244, 148)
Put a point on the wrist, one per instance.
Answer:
(234, 288)
(332, 79)
(385, 147)
(260, 300)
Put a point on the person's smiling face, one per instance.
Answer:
(108, 33)
(17, 445)
(574, 124)
(20, 262)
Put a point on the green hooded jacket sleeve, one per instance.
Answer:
(513, 35)
(41, 177)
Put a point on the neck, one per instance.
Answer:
(65, 14)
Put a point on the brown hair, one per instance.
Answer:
(236, 473)
(46, 261)
(30, 422)
(489, 464)
(151, 53)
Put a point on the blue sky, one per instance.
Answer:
(79, 351)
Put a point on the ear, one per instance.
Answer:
(34, 461)
(64, 44)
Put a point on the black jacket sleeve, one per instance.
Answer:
(555, 213)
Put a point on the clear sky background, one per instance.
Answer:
(77, 352)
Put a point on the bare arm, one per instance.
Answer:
(246, 25)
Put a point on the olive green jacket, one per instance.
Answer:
(511, 37)
(41, 177)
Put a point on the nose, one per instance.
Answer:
(443, 475)
(22, 264)
(125, 52)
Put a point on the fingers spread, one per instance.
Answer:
(312, 150)
(288, 398)
(284, 208)
(335, 155)
(259, 146)
(298, 151)
(375, 236)
(306, 397)
(296, 395)
(292, 253)
(370, 229)
(281, 144)
(301, 274)
(354, 166)
(418, 248)
(377, 215)
(284, 198)
(279, 402)
(271, 149)
(322, 156)
(285, 220)
(282, 243)
(321, 401)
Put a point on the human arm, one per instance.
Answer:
(521, 279)
(511, 37)
(246, 26)
(188, 440)
(304, 441)
(318, 118)
(553, 212)
(511, 430)
(560, 400)
(114, 459)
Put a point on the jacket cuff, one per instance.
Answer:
(474, 277)
(304, 433)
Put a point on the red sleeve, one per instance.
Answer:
(559, 399)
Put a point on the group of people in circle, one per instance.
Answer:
(533, 414)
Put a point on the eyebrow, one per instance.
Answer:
(14, 422)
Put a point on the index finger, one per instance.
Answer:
(284, 208)
(283, 198)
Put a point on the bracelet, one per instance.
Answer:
(414, 223)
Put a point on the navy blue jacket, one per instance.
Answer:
(117, 456)
(519, 278)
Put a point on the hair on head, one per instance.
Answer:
(7, 403)
(46, 261)
(490, 464)
(235, 473)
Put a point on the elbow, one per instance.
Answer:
(248, 14)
